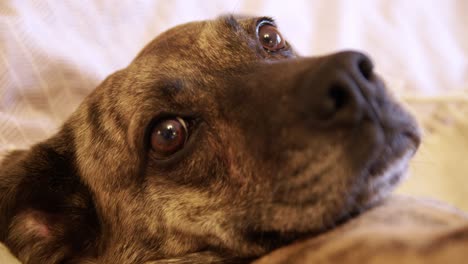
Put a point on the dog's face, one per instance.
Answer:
(216, 137)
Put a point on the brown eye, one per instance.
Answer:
(269, 37)
(169, 136)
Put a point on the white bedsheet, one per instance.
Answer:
(52, 53)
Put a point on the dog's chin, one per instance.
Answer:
(380, 184)
(287, 222)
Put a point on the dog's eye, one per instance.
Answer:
(270, 37)
(169, 136)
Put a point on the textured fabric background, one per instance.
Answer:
(53, 53)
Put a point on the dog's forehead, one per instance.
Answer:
(205, 43)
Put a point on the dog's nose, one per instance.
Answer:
(338, 87)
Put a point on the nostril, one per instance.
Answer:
(339, 97)
(365, 67)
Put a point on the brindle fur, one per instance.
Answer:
(261, 168)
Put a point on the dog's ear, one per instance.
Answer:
(46, 212)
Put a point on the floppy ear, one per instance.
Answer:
(46, 212)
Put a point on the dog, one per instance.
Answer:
(217, 144)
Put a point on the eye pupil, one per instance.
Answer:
(169, 136)
(272, 41)
(168, 133)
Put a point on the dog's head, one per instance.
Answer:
(216, 137)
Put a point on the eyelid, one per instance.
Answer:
(264, 21)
